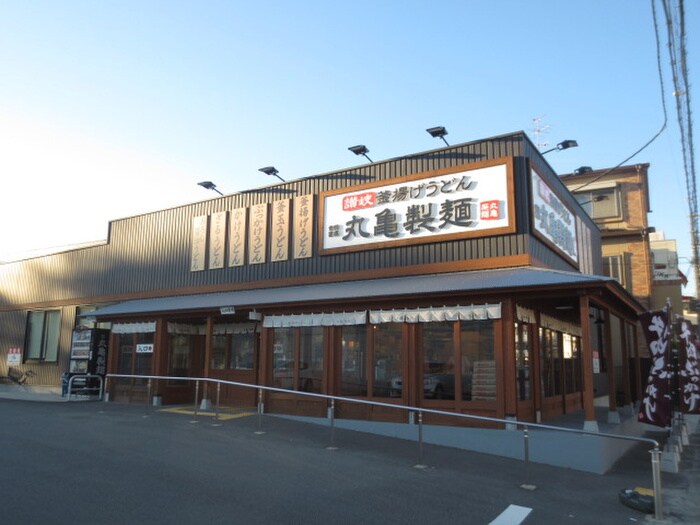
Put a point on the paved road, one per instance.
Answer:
(104, 463)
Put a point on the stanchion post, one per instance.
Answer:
(656, 475)
(526, 455)
(420, 437)
(196, 399)
(261, 409)
(332, 422)
(105, 396)
(149, 398)
(218, 398)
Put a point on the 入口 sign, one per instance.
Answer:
(144, 348)
(456, 202)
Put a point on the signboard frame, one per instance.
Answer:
(508, 208)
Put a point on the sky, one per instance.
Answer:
(115, 108)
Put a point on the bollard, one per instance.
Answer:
(149, 401)
(105, 397)
(656, 474)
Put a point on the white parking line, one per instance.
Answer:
(513, 515)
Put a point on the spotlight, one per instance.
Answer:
(360, 149)
(438, 132)
(271, 170)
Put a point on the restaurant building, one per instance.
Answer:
(466, 279)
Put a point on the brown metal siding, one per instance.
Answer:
(150, 252)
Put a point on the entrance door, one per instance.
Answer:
(134, 357)
(234, 358)
(523, 372)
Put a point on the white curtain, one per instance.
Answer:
(560, 326)
(436, 314)
(145, 327)
(321, 319)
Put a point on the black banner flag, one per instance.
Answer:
(688, 367)
(656, 406)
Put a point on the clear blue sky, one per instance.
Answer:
(109, 109)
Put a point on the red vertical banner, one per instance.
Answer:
(656, 406)
(688, 367)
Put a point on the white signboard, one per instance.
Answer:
(552, 220)
(14, 356)
(144, 348)
(452, 203)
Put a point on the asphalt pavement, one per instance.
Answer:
(107, 463)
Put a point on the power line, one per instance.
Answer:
(663, 105)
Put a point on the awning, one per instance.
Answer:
(398, 287)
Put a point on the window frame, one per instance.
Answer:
(44, 349)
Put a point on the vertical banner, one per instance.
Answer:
(199, 243)
(279, 233)
(303, 226)
(688, 368)
(236, 241)
(656, 406)
(217, 240)
(257, 237)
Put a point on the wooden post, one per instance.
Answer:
(590, 422)
(508, 386)
(626, 362)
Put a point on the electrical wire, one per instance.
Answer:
(663, 105)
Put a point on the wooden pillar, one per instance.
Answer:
(507, 346)
(208, 340)
(160, 357)
(613, 415)
(626, 363)
(590, 422)
(536, 365)
(637, 365)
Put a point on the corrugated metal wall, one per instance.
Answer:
(151, 252)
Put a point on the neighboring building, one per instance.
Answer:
(618, 201)
(668, 279)
(465, 279)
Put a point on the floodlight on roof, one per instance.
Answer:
(271, 170)
(438, 132)
(360, 149)
(210, 186)
(564, 144)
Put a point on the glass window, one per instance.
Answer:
(522, 361)
(438, 361)
(551, 362)
(243, 351)
(601, 203)
(388, 365)
(43, 330)
(144, 360)
(572, 363)
(353, 361)
(311, 362)
(283, 358)
(180, 355)
(125, 344)
(478, 364)
(219, 345)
